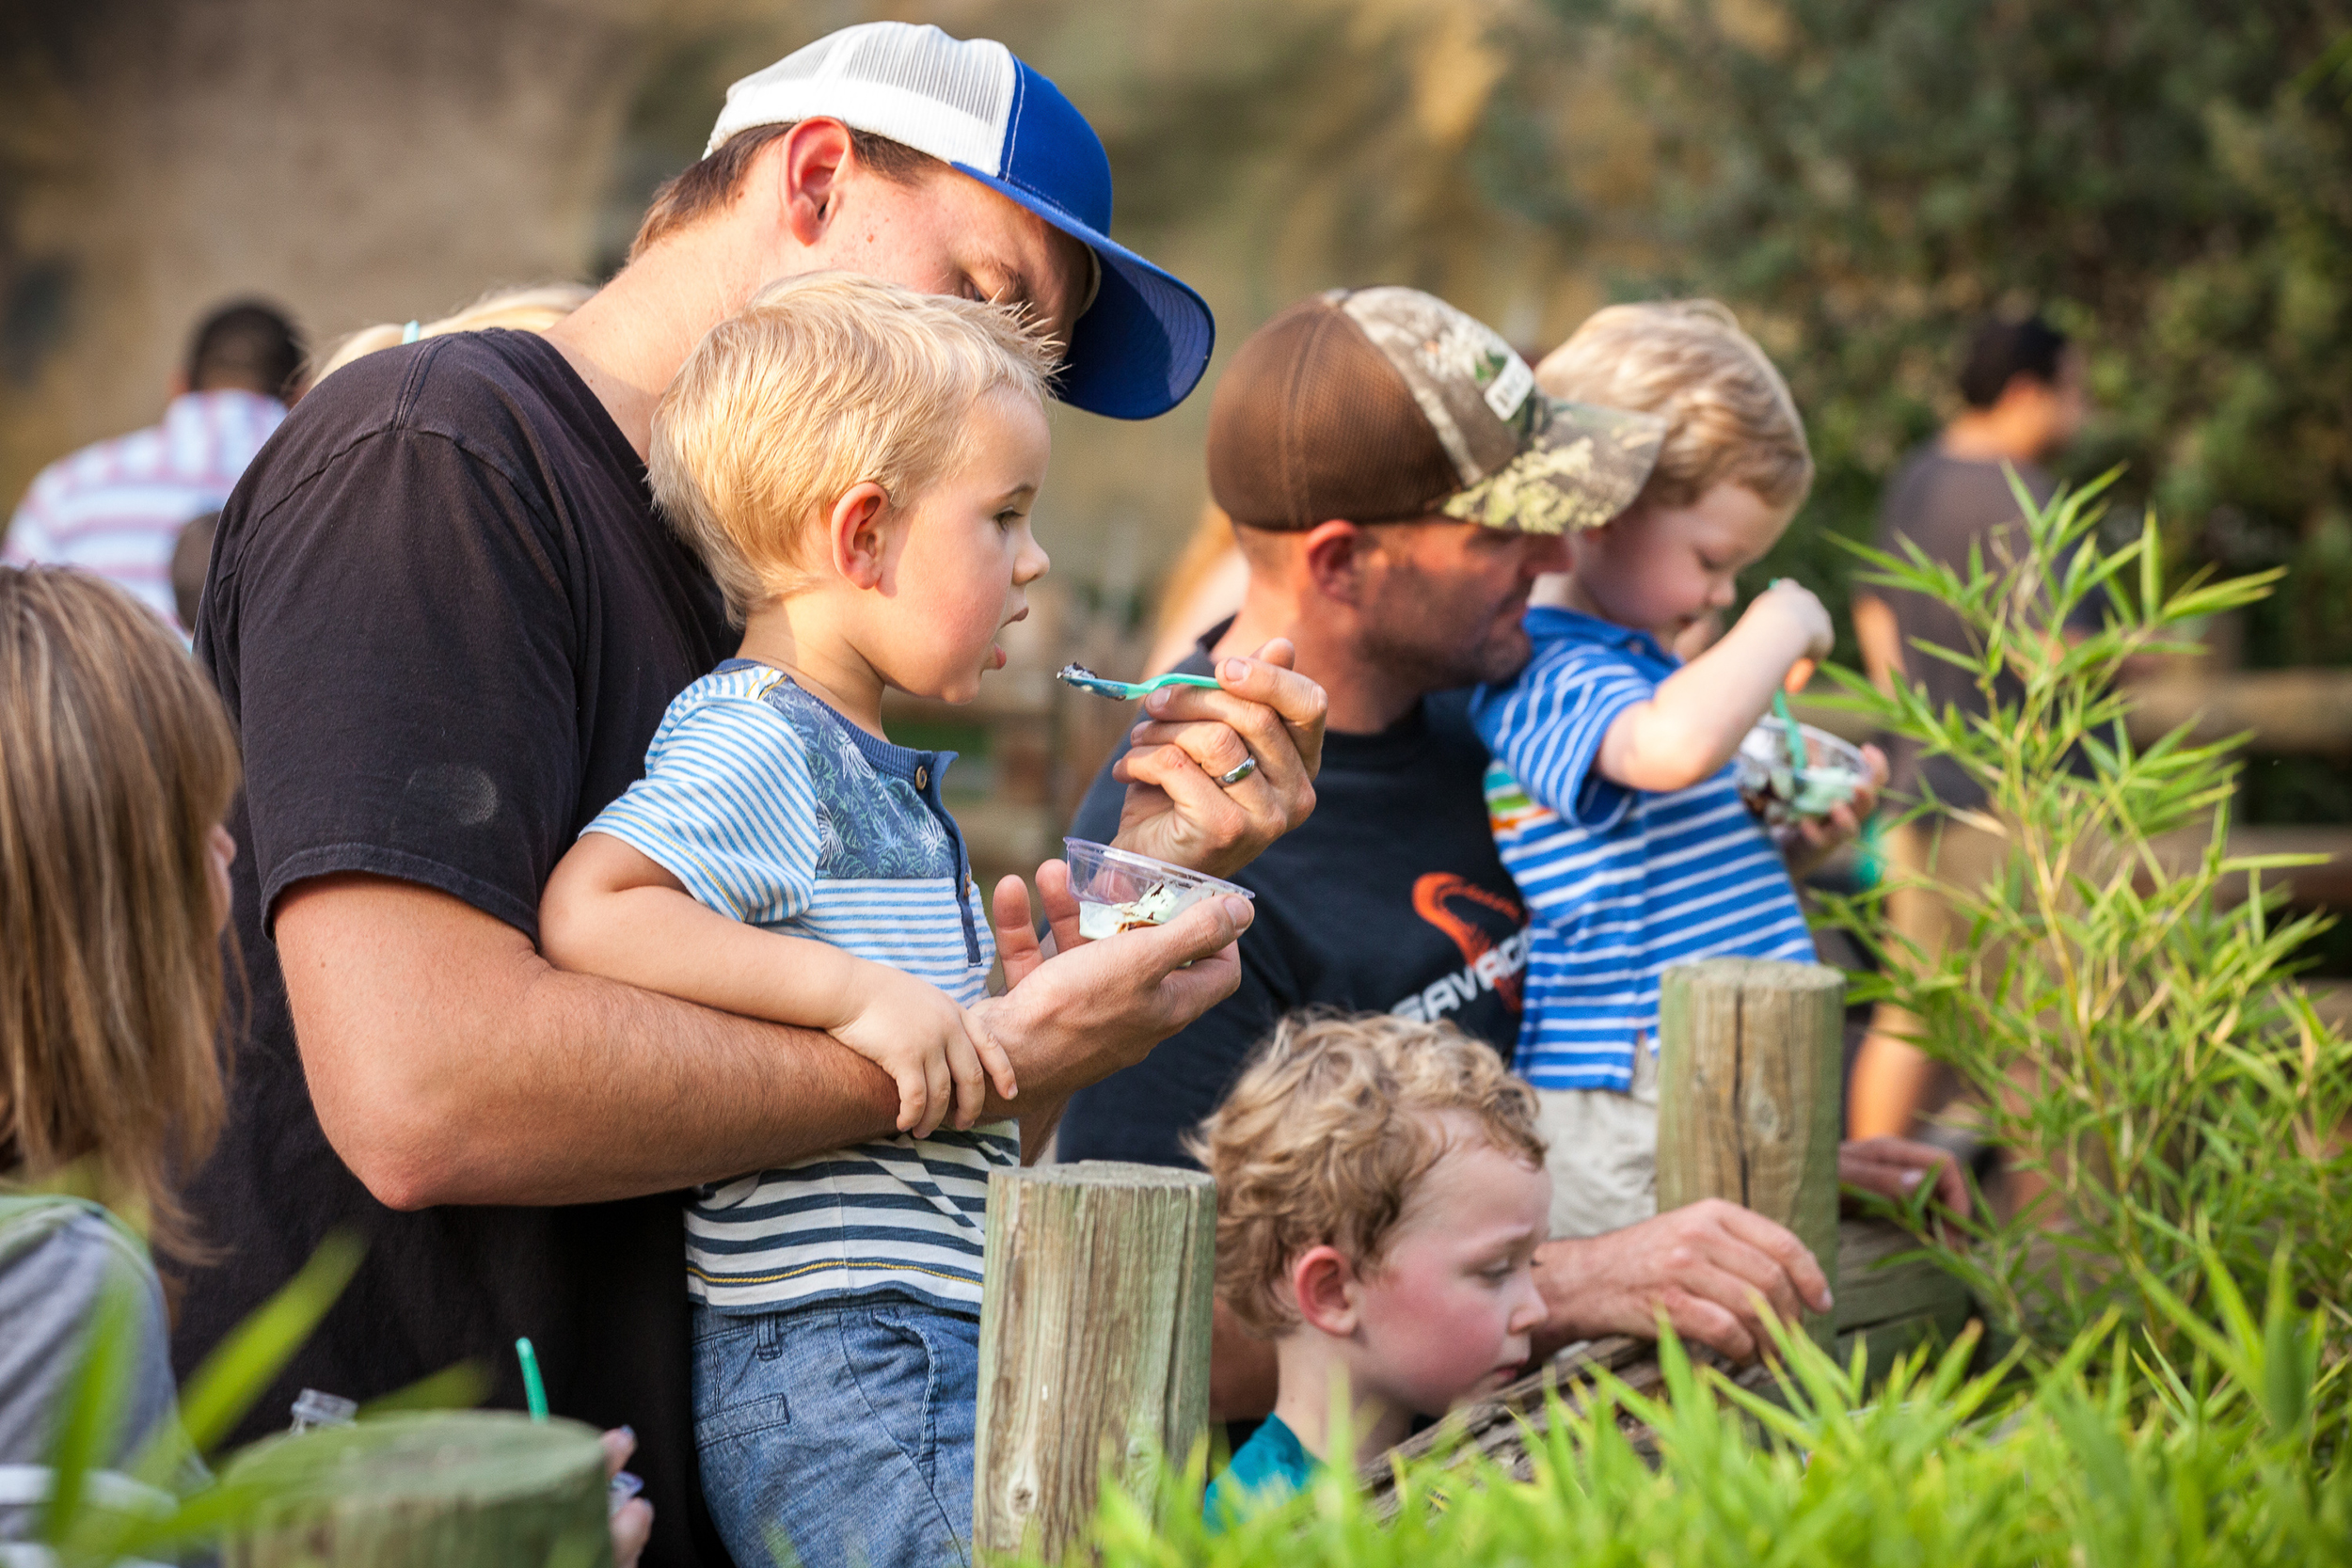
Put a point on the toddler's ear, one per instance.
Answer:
(1323, 1282)
(854, 533)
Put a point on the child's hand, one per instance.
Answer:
(1790, 602)
(940, 1060)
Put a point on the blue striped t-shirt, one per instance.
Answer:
(1619, 883)
(772, 808)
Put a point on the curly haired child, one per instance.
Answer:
(1381, 1194)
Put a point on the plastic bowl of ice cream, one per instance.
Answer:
(1121, 891)
(1780, 793)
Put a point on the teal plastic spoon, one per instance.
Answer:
(1103, 685)
(1799, 758)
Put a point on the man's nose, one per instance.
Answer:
(1544, 552)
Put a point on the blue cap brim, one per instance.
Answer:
(1144, 344)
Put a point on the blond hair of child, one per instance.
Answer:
(1730, 418)
(531, 308)
(117, 767)
(822, 382)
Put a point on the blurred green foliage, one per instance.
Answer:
(2170, 180)
(2231, 1455)
(2121, 1017)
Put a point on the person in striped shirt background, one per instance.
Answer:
(116, 507)
(1610, 789)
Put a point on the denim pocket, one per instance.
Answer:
(738, 1381)
(920, 1371)
(741, 1420)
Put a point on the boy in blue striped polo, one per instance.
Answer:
(855, 464)
(1611, 791)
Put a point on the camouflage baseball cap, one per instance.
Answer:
(1386, 404)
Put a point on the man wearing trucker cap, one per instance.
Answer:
(447, 621)
(1398, 482)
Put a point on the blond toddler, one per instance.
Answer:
(1611, 791)
(855, 464)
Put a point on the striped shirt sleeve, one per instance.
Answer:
(726, 806)
(1547, 727)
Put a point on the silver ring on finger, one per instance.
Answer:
(1248, 766)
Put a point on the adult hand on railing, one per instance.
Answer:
(1710, 1269)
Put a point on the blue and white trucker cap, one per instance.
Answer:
(1143, 343)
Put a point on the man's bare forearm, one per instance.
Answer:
(451, 1064)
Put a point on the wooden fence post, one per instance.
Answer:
(1750, 1053)
(1094, 1341)
(441, 1489)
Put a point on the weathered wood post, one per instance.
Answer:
(1750, 1051)
(1094, 1341)
(444, 1489)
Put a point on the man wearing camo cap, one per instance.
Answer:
(1398, 482)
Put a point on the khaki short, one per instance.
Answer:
(1603, 1154)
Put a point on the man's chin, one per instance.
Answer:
(1504, 656)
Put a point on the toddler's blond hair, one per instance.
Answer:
(1326, 1136)
(1729, 417)
(819, 384)
(533, 307)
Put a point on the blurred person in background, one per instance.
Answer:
(116, 507)
(2025, 401)
(533, 307)
(1203, 588)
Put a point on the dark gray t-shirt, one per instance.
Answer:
(57, 1260)
(1945, 505)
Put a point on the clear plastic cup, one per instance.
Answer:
(1832, 773)
(1120, 890)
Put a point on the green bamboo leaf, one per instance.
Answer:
(86, 1424)
(245, 1364)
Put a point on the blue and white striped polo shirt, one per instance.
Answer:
(774, 809)
(1618, 883)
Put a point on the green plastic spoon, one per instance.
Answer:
(1103, 685)
(1800, 758)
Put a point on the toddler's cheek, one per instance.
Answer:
(1439, 1358)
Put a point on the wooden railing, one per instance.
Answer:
(1747, 1111)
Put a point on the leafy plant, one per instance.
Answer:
(1932, 1466)
(93, 1517)
(2122, 1011)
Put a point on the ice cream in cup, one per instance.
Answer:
(1783, 793)
(1121, 891)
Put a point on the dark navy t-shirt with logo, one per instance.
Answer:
(1389, 899)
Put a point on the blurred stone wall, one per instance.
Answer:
(355, 161)
(364, 162)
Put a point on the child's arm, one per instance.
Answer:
(1700, 713)
(612, 910)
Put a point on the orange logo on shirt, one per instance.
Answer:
(1438, 897)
